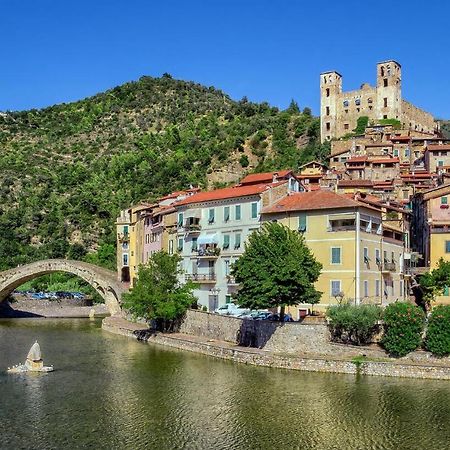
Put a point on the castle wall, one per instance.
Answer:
(417, 119)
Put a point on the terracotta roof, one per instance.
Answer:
(385, 160)
(416, 175)
(229, 192)
(267, 177)
(178, 193)
(357, 159)
(436, 148)
(378, 144)
(313, 200)
(351, 183)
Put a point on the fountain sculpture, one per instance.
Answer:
(34, 362)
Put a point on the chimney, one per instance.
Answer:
(275, 177)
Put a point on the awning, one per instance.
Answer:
(192, 213)
(346, 216)
(208, 239)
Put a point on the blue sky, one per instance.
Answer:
(60, 51)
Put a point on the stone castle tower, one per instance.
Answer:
(339, 111)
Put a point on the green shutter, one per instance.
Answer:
(226, 213)
(211, 215)
(302, 222)
(238, 212)
(226, 241)
(237, 241)
(254, 210)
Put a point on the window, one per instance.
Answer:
(227, 267)
(395, 151)
(226, 241)
(384, 116)
(440, 163)
(237, 240)
(302, 223)
(171, 247)
(194, 244)
(346, 103)
(180, 219)
(444, 200)
(385, 258)
(335, 255)
(254, 210)
(125, 246)
(357, 101)
(125, 229)
(447, 246)
(366, 255)
(377, 256)
(366, 288)
(211, 214)
(377, 288)
(327, 91)
(385, 82)
(335, 287)
(226, 213)
(327, 109)
(125, 259)
(407, 152)
(237, 212)
(328, 126)
(180, 244)
(385, 102)
(228, 298)
(401, 288)
(346, 126)
(392, 257)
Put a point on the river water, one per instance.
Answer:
(109, 392)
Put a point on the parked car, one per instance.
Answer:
(252, 314)
(230, 309)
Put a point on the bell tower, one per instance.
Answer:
(389, 90)
(330, 91)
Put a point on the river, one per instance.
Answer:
(109, 392)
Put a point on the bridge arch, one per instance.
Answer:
(104, 281)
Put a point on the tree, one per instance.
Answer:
(293, 107)
(276, 269)
(433, 284)
(158, 294)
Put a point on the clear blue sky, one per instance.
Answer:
(64, 50)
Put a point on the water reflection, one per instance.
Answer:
(110, 392)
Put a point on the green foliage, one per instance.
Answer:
(438, 331)
(433, 283)
(445, 128)
(361, 125)
(276, 269)
(243, 161)
(157, 294)
(352, 324)
(403, 327)
(394, 122)
(68, 169)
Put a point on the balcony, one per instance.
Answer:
(388, 267)
(123, 237)
(210, 252)
(201, 277)
(231, 280)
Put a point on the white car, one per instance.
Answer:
(230, 309)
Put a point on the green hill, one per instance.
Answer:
(66, 170)
(445, 128)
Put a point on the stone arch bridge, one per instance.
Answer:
(104, 281)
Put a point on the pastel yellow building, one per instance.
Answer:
(360, 264)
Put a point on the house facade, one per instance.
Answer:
(360, 264)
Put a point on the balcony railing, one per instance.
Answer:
(231, 279)
(123, 237)
(210, 252)
(388, 267)
(201, 277)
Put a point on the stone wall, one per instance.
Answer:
(287, 337)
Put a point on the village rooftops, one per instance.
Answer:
(355, 183)
(437, 148)
(229, 193)
(266, 177)
(313, 200)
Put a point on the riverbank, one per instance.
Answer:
(429, 368)
(26, 308)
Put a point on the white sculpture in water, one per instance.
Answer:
(34, 362)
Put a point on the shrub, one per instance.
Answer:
(438, 332)
(243, 161)
(403, 327)
(353, 324)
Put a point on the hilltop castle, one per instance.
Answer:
(339, 111)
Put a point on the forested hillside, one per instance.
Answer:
(445, 128)
(66, 170)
